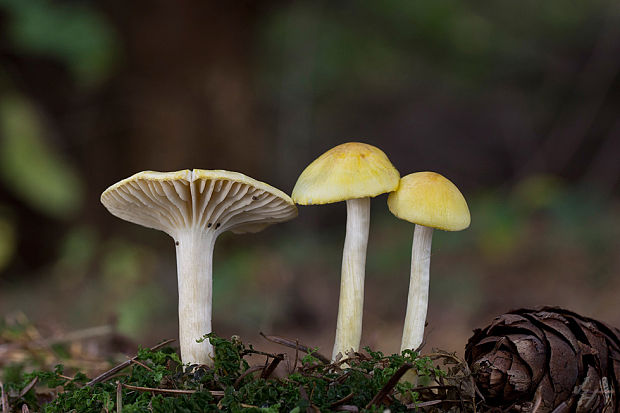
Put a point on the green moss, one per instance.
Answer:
(228, 386)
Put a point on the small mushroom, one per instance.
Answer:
(351, 172)
(428, 200)
(194, 208)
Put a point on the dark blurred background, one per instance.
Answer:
(516, 102)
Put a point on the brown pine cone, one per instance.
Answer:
(547, 360)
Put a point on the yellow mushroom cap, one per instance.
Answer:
(347, 171)
(429, 199)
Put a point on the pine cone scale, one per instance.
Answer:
(546, 360)
(562, 370)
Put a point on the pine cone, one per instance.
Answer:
(547, 360)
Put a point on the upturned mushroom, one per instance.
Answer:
(351, 172)
(428, 200)
(194, 208)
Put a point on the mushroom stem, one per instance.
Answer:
(417, 301)
(350, 308)
(194, 270)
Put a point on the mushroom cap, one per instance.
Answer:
(214, 200)
(429, 199)
(347, 171)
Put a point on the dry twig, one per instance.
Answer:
(28, 387)
(272, 366)
(141, 364)
(389, 385)
(119, 397)
(343, 400)
(214, 393)
(246, 373)
(295, 344)
(4, 399)
(106, 375)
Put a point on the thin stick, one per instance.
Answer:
(421, 388)
(215, 393)
(78, 335)
(296, 345)
(141, 364)
(272, 366)
(106, 375)
(119, 397)
(444, 355)
(434, 402)
(424, 404)
(304, 395)
(29, 386)
(260, 353)
(4, 399)
(347, 408)
(296, 355)
(246, 373)
(389, 385)
(343, 400)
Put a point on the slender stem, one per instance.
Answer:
(349, 324)
(417, 302)
(194, 268)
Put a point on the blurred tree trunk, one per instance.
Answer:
(181, 96)
(186, 92)
(184, 97)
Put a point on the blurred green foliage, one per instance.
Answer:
(496, 225)
(31, 166)
(72, 32)
(78, 249)
(126, 271)
(537, 192)
(76, 35)
(234, 281)
(383, 45)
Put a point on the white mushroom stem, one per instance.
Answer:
(194, 272)
(417, 301)
(350, 308)
(194, 207)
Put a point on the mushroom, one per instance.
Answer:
(194, 208)
(351, 172)
(428, 200)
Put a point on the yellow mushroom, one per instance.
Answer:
(351, 172)
(428, 200)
